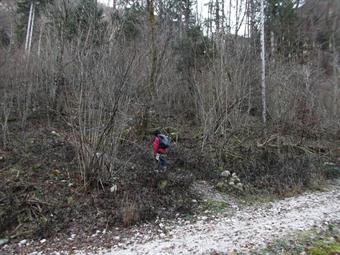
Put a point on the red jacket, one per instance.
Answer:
(156, 148)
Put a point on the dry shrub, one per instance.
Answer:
(129, 212)
(299, 99)
(273, 163)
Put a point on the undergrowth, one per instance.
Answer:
(313, 242)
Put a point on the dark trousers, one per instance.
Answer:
(161, 162)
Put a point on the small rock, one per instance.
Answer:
(114, 188)
(162, 235)
(225, 173)
(194, 201)
(117, 238)
(55, 133)
(43, 241)
(23, 242)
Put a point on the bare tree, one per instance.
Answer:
(263, 69)
(29, 27)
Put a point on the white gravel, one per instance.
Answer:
(249, 228)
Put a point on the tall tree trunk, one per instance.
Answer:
(263, 69)
(153, 49)
(272, 46)
(217, 16)
(58, 103)
(152, 78)
(252, 19)
(223, 17)
(335, 61)
(336, 82)
(187, 11)
(237, 19)
(28, 32)
(229, 16)
(40, 37)
(31, 32)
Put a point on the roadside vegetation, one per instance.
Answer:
(82, 86)
(313, 242)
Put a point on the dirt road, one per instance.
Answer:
(248, 228)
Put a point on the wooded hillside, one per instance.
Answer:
(83, 85)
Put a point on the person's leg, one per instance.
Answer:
(162, 162)
(158, 165)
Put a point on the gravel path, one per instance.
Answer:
(249, 228)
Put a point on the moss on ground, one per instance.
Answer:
(314, 242)
(215, 206)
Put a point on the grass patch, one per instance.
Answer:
(314, 242)
(322, 248)
(214, 206)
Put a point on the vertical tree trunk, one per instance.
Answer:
(252, 19)
(335, 60)
(31, 32)
(28, 32)
(263, 58)
(180, 21)
(336, 82)
(153, 49)
(152, 78)
(217, 16)
(223, 17)
(272, 45)
(236, 18)
(229, 18)
(40, 37)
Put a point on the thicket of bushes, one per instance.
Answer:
(104, 83)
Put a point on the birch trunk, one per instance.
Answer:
(263, 58)
(28, 27)
(229, 16)
(31, 32)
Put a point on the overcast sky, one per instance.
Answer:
(200, 3)
(202, 9)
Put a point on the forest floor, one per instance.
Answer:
(237, 229)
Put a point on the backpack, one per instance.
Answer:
(163, 141)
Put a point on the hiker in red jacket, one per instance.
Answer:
(160, 144)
